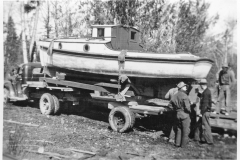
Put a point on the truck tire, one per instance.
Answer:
(46, 104)
(56, 104)
(121, 119)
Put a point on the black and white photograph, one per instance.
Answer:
(119, 79)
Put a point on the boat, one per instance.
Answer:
(116, 49)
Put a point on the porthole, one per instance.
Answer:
(86, 47)
(59, 45)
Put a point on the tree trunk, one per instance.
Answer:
(24, 45)
(33, 39)
(56, 19)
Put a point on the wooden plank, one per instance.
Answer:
(231, 116)
(36, 84)
(145, 112)
(75, 84)
(55, 155)
(148, 108)
(223, 123)
(107, 98)
(26, 124)
(67, 89)
(158, 102)
(81, 151)
(108, 85)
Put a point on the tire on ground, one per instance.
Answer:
(46, 104)
(56, 105)
(121, 119)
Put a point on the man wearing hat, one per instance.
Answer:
(226, 78)
(169, 96)
(203, 131)
(181, 104)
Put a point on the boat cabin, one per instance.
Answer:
(120, 37)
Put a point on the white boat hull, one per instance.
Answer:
(101, 60)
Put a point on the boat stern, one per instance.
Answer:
(201, 68)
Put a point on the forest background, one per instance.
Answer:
(166, 27)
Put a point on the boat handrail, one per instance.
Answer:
(90, 38)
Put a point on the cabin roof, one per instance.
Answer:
(118, 25)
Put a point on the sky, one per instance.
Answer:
(227, 9)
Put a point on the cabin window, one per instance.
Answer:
(60, 46)
(133, 35)
(100, 32)
(86, 47)
(37, 71)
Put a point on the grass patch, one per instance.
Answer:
(16, 141)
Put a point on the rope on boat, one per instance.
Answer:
(50, 49)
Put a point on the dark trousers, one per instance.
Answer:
(203, 131)
(173, 131)
(183, 128)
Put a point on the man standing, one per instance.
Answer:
(226, 79)
(203, 131)
(169, 96)
(181, 104)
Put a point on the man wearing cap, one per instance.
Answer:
(226, 79)
(181, 104)
(203, 131)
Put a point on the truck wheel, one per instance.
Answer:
(121, 119)
(6, 94)
(56, 104)
(46, 104)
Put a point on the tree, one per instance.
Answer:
(47, 19)
(157, 21)
(34, 4)
(192, 25)
(23, 25)
(11, 45)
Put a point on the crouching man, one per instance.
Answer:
(125, 84)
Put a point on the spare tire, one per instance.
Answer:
(46, 104)
(121, 119)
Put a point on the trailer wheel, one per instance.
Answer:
(121, 119)
(46, 104)
(56, 104)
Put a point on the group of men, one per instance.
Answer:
(181, 104)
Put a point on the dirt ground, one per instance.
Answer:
(90, 131)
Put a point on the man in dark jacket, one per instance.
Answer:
(203, 131)
(181, 104)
